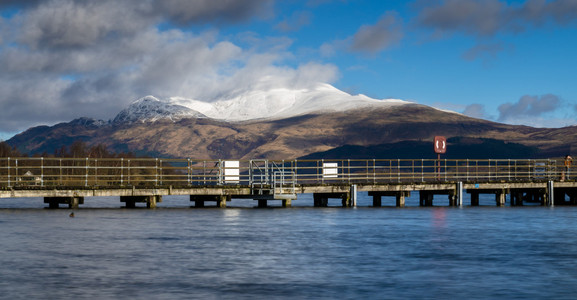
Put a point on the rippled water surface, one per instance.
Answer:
(175, 252)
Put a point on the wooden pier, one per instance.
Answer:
(70, 181)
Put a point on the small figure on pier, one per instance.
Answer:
(568, 162)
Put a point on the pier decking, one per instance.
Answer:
(69, 181)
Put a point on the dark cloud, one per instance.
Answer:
(528, 107)
(385, 33)
(479, 17)
(18, 3)
(295, 22)
(486, 51)
(538, 12)
(64, 24)
(68, 24)
(475, 110)
(63, 59)
(200, 11)
(488, 17)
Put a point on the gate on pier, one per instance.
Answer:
(273, 179)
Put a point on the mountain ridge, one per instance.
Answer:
(295, 137)
(150, 126)
(273, 103)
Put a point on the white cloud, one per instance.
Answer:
(385, 33)
(528, 107)
(114, 53)
(475, 110)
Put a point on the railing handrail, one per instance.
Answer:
(112, 172)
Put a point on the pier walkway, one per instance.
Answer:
(69, 181)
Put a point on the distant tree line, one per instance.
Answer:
(8, 151)
(102, 169)
(78, 149)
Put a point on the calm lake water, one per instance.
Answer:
(174, 252)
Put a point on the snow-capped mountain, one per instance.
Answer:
(150, 108)
(252, 105)
(348, 127)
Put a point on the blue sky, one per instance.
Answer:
(506, 61)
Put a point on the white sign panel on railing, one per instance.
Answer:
(330, 170)
(231, 171)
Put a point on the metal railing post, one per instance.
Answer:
(413, 170)
(220, 172)
(128, 171)
(96, 171)
(9, 183)
(42, 171)
(374, 171)
(423, 179)
(445, 170)
(509, 170)
(86, 174)
(399, 170)
(188, 172)
(296, 172)
(322, 177)
(61, 180)
(467, 168)
(156, 171)
(367, 170)
(349, 172)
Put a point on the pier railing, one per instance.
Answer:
(38, 172)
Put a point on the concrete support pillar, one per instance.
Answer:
(320, 200)
(516, 198)
(377, 202)
(452, 199)
(287, 203)
(541, 196)
(353, 195)
(426, 198)
(53, 205)
(262, 203)
(572, 198)
(73, 202)
(500, 198)
(559, 197)
(200, 200)
(401, 198)
(459, 194)
(571, 194)
(151, 201)
(550, 194)
(347, 200)
(474, 199)
(129, 204)
(221, 202)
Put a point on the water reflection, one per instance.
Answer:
(440, 252)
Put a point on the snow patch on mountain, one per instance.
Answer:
(274, 103)
(150, 108)
(283, 103)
